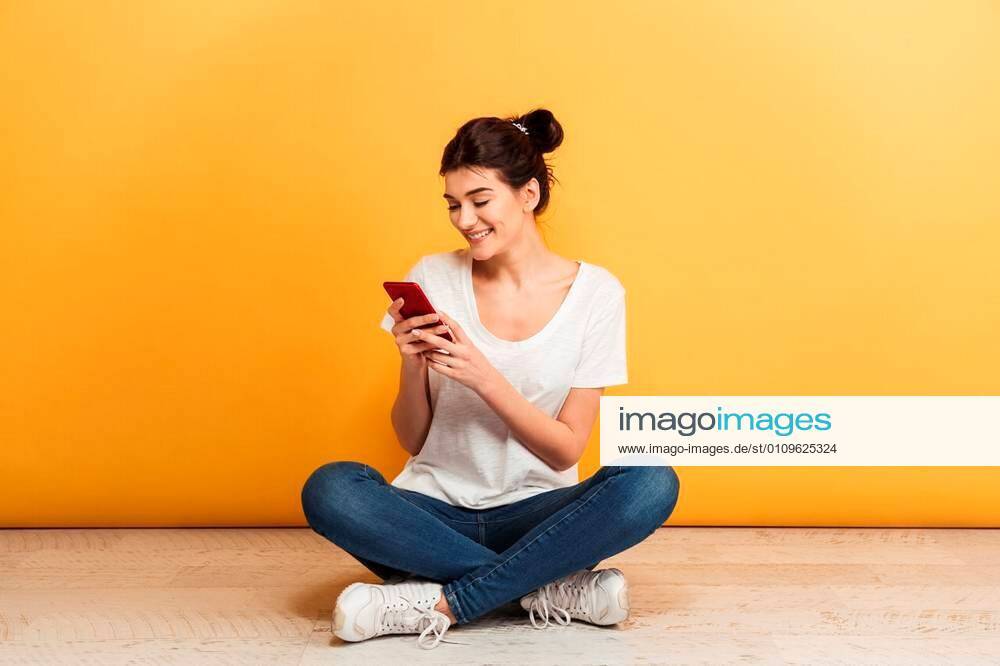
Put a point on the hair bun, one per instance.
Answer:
(543, 129)
(517, 154)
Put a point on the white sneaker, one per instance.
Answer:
(364, 611)
(598, 597)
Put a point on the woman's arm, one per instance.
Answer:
(411, 412)
(559, 441)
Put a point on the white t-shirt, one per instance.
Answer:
(470, 457)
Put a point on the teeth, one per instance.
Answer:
(481, 234)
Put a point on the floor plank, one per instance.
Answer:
(701, 595)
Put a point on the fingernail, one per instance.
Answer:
(416, 332)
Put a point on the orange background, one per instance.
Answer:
(200, 202)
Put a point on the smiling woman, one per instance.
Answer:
(489, 508)
(512, 151)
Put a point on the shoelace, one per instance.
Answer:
(555, 600)
(437, 624)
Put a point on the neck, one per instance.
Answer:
(527, 262)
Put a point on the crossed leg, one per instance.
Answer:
(391, 530)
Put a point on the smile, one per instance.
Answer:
(479, 236)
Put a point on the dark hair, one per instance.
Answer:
(495, 143)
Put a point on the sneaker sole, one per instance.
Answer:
(339, 619)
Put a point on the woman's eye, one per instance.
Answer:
(479, 204)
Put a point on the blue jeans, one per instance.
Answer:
(486, 558)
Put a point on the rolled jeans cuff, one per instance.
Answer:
(454, 604)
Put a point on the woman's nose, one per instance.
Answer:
(467, 221)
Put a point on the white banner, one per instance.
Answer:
(800, 430)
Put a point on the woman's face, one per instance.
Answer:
(479, 202)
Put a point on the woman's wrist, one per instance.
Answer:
(415, 364)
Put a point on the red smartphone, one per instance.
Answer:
(415, 303)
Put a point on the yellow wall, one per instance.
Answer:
(200, 200)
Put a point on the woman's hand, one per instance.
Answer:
(464, 362)
(411, 347)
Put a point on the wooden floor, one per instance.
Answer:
(700, 596)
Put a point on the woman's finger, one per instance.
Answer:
(422, 320)
(432, 356)
(418, 346)
(394, 308)
(445, 370)
(440, 357)
(408, 339)
(435, 340)
(457, 331)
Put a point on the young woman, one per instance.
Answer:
(488, 508)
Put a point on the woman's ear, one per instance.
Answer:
(531, 195)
